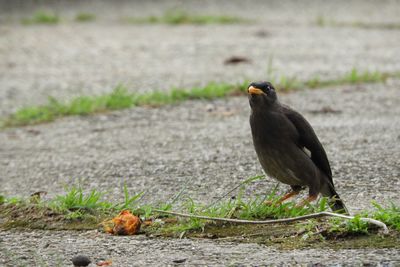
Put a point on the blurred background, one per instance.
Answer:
(69, 48)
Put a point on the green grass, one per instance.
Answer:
(76, 204)
(248, 209)
(85, 17)
(181, 17)
(389, 215)
(120, 98)
(76, 200)
(353, 77)
(42, 17)
(255, 209)
(322, 21)
(86, 209)
(356, 226)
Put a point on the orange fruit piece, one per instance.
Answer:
(124, 224)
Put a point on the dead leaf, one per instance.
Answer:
(261, 33)
(236, 60)
(325, 110)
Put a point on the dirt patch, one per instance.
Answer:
(287, 236)
(28, 216)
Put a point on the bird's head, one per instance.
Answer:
(261, 94)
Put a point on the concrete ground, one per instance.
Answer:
(205, 142)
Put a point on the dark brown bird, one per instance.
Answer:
(288, 148)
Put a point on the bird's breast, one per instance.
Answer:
(274, 142)
(270, 132)
(278, 164)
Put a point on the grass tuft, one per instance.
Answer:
(130, 201)
(357, 226)
(390, 216)
(42, 17)
(85, 17)
(353, 77)
(75, 200)
(356, 76)
(322, 21)
(177, 17)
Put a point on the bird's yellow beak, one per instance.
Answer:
(254, 91)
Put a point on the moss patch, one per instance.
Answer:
(32, 216)
(283, 236)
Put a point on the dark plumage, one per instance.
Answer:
(288, 148)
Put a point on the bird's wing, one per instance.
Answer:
(309, 140)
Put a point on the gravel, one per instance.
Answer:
(203, 144)
(39, 248)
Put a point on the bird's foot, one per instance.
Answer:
(288, 195)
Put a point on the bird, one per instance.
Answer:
(288, 148)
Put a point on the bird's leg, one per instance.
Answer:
(295, 191)
(307, 200)
(288, 195)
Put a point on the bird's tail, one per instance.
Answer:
(336, 204)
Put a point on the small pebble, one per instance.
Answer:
(80, 261)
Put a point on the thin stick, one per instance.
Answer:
(286, 220)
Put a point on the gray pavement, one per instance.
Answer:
(206, 142)
(40, 248)
(157, 150)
